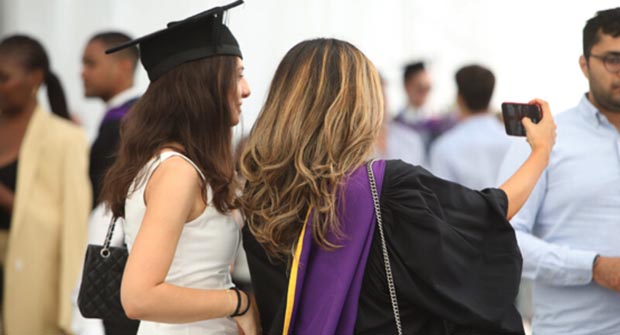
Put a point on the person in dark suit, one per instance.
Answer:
(111, 79)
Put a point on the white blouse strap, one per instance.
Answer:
(167, 154)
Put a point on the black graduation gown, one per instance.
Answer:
(454, 258)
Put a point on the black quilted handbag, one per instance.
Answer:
(100, 290)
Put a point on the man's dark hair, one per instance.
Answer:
(606, 22)
(475, 85)
(411, 69)
(113, 38)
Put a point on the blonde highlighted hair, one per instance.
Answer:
(319, 123)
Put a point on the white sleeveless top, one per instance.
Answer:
(207, 247)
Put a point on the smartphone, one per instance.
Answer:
(513, 112)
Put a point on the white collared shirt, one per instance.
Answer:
(122, 97)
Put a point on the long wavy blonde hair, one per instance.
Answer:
(319, 123)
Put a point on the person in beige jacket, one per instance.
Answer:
(44, 190)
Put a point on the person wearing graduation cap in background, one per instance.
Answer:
(174, 184)
(315, 257)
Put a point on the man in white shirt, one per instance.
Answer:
(471, 152)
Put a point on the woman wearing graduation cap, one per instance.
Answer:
(315, 257)
(174, 184)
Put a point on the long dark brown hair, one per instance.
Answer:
(188, 106)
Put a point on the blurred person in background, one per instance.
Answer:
(416, 115)
(45, 195)
(109, 78)
(471, 152)
(396, 141)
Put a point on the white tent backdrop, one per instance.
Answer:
(532, 45)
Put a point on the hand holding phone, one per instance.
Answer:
(513, 113)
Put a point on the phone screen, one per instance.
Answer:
(514, 112)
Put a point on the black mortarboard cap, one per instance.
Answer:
(200, 36)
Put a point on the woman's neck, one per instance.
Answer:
(12, 130)
(20, 116)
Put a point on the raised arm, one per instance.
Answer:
(541, 138)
